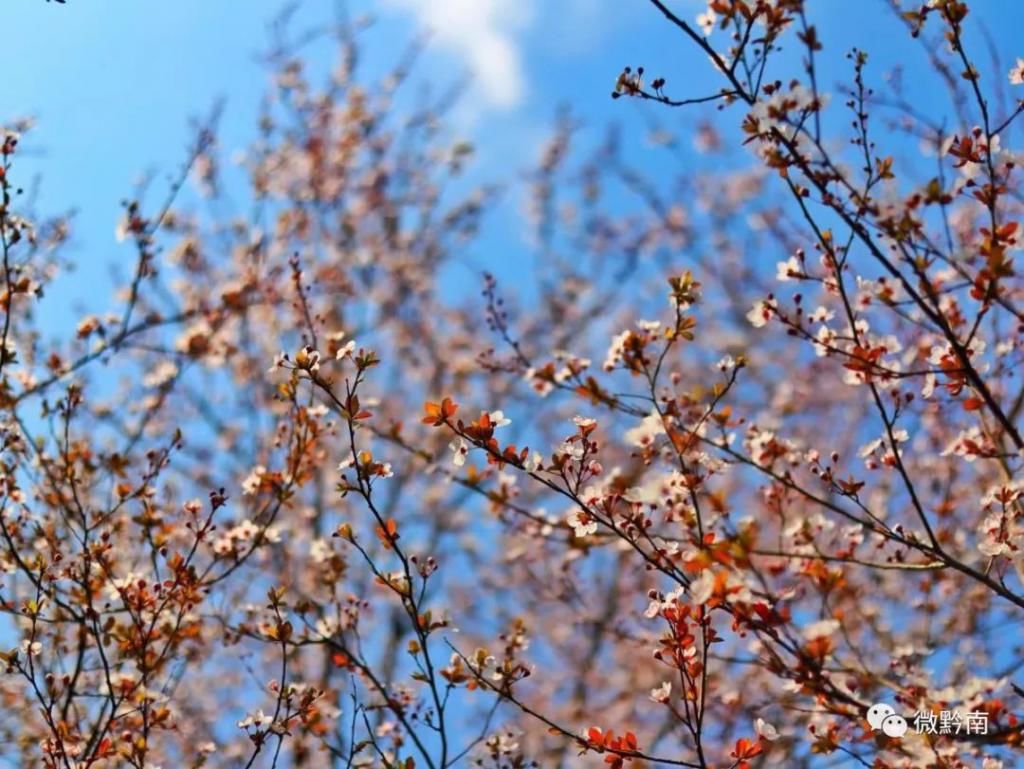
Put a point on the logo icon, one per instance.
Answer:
(882, 716)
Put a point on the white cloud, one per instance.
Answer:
(483, 34)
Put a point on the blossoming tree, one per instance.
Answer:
(295, 502)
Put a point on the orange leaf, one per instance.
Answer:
(746, 749)
(388, 533)
(438, 414)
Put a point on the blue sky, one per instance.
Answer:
(113, 82)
